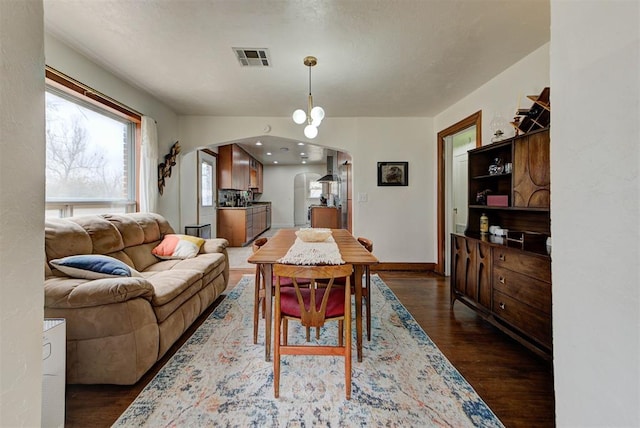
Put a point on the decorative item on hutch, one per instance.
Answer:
(536, 117)
(498, 126)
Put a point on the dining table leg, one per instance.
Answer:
(358, 271)
(268, 293)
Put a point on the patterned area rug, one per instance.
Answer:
(220, 378)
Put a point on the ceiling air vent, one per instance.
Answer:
(253, 57)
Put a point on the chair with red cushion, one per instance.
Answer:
(368, 245)
(259, 300)
(312, 305)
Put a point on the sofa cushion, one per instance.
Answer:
(65, 292)
(93, 266)
(141, 255)
(204, 263)
(130, 230)
(65, 238)
(168, 284)
(176, 246)
(104, 236)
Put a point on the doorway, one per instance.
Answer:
(468, 128)
(198, 195)
(207, 194)
(306, 192)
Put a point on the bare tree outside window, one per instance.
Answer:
(86, 153)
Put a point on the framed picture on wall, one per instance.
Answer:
(393, 173)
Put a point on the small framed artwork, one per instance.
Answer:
(393, 173)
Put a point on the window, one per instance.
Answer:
(90, 167)
(315, 189)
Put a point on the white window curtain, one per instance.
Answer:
(149, 166)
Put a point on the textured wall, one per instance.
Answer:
(21, 211)
(595, 161)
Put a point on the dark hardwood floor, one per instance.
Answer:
(515, 383)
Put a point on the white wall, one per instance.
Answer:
(279, 189)
(595, 214)
(22, 213)
(501, 94)
(401, 220)
(73, 64)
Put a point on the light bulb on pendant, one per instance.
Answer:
(310, 132)
(317, 113)
(299, 116)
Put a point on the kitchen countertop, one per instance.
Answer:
(253, 204)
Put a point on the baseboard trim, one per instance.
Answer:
(413, 267)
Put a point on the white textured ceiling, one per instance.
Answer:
(376, 58)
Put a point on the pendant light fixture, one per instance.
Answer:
(313, 115)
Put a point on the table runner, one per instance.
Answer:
(313, 253)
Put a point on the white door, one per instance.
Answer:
(460, 189)
(456, 172)
(207, 194)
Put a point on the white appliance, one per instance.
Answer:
(54, 355)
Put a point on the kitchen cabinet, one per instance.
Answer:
(241, 225)
(235, 169)
(255, 176)
(329, 217)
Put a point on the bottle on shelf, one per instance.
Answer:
(484, 223)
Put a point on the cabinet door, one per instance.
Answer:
(241, 168)
(463, 265)
(259, 170)
(225, 167)
(532, 172)
(483, 274)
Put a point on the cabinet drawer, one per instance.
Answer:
(530, 321)
(527, 264)
(528, 290)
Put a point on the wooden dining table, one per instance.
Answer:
(352, 252)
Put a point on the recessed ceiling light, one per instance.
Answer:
(284, 149)
(304, 161)
(268, 153)
(275, 161)
(258, 143)
(301, 144)
(302, 154)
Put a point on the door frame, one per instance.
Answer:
(474, 119)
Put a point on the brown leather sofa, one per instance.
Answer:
(117, 328)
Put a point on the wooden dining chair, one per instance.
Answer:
(312, 305)
(366, 293)
(366, 290)
(259, 300)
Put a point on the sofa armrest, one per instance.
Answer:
(214, 245)
(218, 245)
(61, 292)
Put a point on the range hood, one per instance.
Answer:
(332, 169)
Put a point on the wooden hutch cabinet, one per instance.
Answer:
(507, 279)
